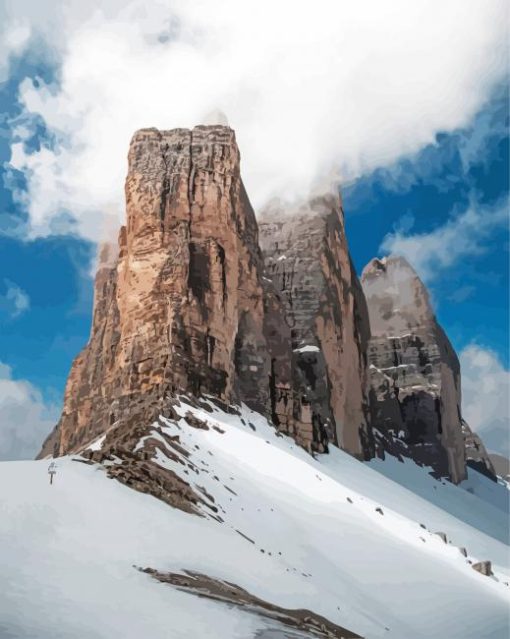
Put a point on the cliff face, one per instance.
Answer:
(414, 371)
(189, 303)
(307, 258)
(184, 304)
(477, 456)
(182, 307)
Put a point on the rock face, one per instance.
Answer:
(483, 567)
(188, 302)
(307, 258)
(414, 371)
(182, 305)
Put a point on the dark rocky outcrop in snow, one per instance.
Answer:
(415, 397)
(304, 621)
(483, 567)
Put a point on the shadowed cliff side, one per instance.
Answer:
(415, 397)
(307, 257)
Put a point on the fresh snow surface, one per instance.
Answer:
(315, 540)
(97, 444)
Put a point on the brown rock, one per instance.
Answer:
(307, 258)
(301, 620)
(182, 307)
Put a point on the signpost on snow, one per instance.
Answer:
(52, 470)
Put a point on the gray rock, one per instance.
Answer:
(414, 372)
(483, 567)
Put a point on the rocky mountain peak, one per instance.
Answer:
(397, 298)
(198, 298)
(183, 298)
(307, 258)
(185, 304)
(415, 393)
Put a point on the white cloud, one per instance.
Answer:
(485, 397)
(14, 301)
(434, 252)
(25, 420)
(307, 86)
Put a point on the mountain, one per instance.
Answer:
(184, 305)
(241, 387)
(181, 305)
(415, 396)
(199, 297)
(307, 259)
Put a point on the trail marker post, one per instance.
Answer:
(52, 470)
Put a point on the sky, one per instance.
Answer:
(404, 104)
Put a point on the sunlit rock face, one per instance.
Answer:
(307, 258)
(414, 371)
(186, 304)
(182, 307)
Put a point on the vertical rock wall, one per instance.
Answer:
(414, 371)
(183, 305)
(307, 258)
(182, 308)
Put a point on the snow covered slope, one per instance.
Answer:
(330, 534)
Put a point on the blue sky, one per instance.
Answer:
(421, 194)
(40, 341)
(432, 170)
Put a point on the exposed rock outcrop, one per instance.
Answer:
(414, 374)
(301, 620)
(307, 258)
(483, 567)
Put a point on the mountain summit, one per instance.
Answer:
(415, 395)
(201, 299)
(187, 307)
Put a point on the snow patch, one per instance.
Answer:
(307, 349)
